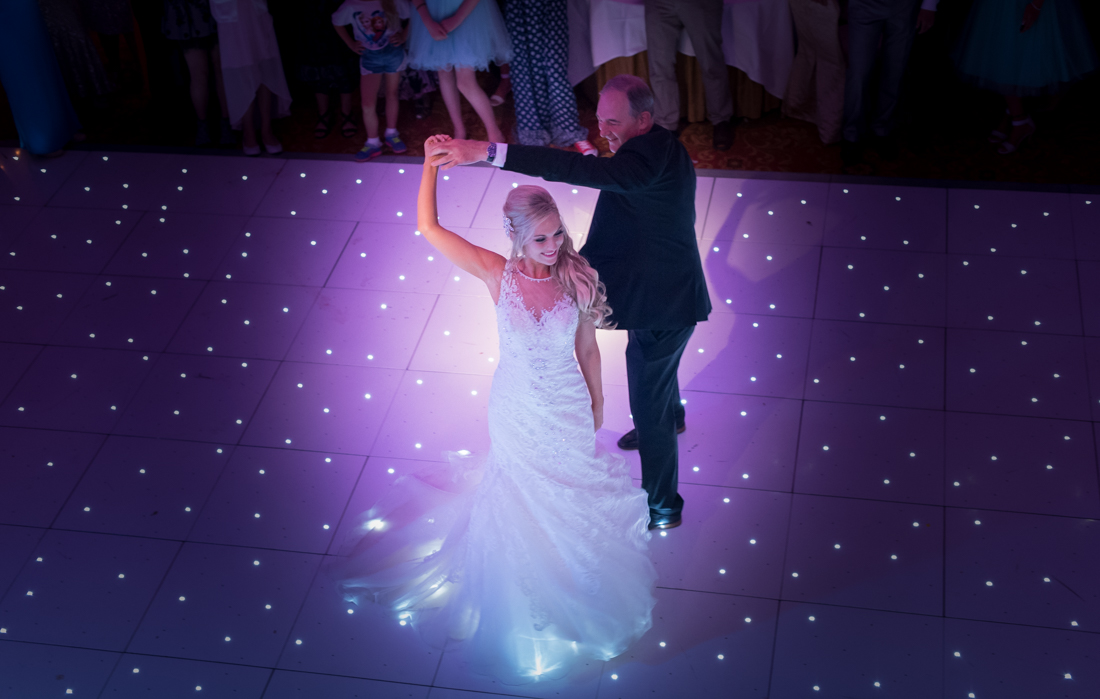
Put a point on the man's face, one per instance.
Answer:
(616, 123)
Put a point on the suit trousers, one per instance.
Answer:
(652, 359)
(895, 23)
(664, 20)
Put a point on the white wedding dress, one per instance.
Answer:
(533, 555)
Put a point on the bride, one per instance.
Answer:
(534, 555)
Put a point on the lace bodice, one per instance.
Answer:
(536, 322)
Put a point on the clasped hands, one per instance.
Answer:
(441, 29)
(445, 152)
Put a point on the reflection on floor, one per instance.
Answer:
(208, 364)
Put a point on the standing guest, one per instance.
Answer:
(546, 109)
(31, 78)
(457, 38)
(894, 23)
(190, 24)
(664, 21)
(1022, 48)
(111, 20)
(252, 70)
(325, 65)
(380, 28)
(815, 89)
(77, 56)
(642, 244)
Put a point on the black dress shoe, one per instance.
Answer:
(663, 521)
(629, 441)
(723, 135)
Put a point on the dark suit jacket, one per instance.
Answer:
(642, 240)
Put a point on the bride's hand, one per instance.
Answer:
(430, 143)
(597, 416)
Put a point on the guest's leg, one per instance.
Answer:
(219, 80)
(652, 359)
(565, 119)
(466, 79)
(517, 18)
(899, 31)
(662, 30)
(864, 28)
(449, 90)
(703, 22)
(198, 67)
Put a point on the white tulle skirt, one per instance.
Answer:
(533, 568)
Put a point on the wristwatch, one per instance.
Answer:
(492, 152)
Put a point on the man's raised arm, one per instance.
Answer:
(629, 170)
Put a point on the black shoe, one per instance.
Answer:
(629, 440)
(663, 521)
(851, 153)
(723, 135)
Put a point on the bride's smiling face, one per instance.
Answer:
(545, 241)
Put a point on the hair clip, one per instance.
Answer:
(509, 229)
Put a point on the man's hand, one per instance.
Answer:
(446, 154)
(925, 20)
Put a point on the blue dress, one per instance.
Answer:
(994, 54)
(40, 104)
(481, 39)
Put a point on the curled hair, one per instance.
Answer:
(526, 207)
(637, 92)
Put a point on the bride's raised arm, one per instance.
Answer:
(483, 264)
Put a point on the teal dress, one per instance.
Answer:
(30, 75)
(994, 54)
(481, 39)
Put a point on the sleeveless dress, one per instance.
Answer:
(534, 554)
(481, 39)
(1053, 53)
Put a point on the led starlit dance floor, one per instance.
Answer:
(209, 365)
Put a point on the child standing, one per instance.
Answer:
(380, 28)
(456, 38)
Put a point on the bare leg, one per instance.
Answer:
(1019, 132)
(219, 83)
(263, 96)
(248, 128)
(368, 87)
(505, 85)
(322, 103)
(393, 80)
(450, 98)
(199, 68)
(467, 84)
(345, 102)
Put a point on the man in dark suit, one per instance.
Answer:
(642, 244)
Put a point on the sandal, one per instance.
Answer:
(997, 135)
(1008, 146)
(324, 125)
(347, 126)
(505, 86)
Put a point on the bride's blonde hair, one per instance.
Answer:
(526, 207)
